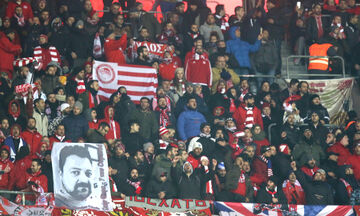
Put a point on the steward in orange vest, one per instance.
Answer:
(320, 65)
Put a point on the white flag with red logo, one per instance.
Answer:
(139, 81)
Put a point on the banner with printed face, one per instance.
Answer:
(156, 50)
(334, 94)
(81, 178)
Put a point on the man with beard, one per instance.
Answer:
(160, 187)
(59, 136)
(270, 193)
(307, 146)
(195, 155)
(164, 161)
(189, 92)
(317, 191)
(189, 121)
(143, 56)
(135, 184)
(293, 190)
(52, 107)
(98, 135)
(316, 106)
(34, 181)
(76, 177)
(247, 115)
(31, 136)
(40, 117)
(79, 46)
(190, 37)
(65, 111)
(290, 132)
(164, 115)
(90, 98)
(318, 129)
(146, 119)
(114, 132)
(14, 141)
(221, 71)
(164, 140)
(138, 162)
(123, 108)
(120, 166)
(45, 53)
(310, 167)
(316, 25)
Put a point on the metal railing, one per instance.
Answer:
(18, 192)
(317, 75)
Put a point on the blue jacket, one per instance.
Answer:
(188, 123)
(241, 49)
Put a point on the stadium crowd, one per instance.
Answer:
(205, 134)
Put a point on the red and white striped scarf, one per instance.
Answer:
(193, 36)
(80, 88)
(98, 50)
(92, 100)
(272, 193)
(269, 166)
(243, 93)
(209, 186)
(52, 51)
(249, 120)
(163, 144)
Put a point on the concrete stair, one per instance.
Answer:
(293, 68)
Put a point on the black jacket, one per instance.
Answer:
(264, 197)
(317, 192)
(133, 142)
(281, 165)
(95, 137)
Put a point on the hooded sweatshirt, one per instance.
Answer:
(114, 132)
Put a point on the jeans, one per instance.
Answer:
(269, 79)
(278, 51)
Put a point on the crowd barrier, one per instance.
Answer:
(166, 207)
(343, 73)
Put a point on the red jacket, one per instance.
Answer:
(93, 125)
(114, 132)
(198, 71)
(8, 51)
(33, 139)
(260, 174)
(4, 178)
(343, 152)
(240, 117)
(193, 161)
(354, 161)
(114, 49)
(308, 171)
(167, 70)
(294, 191)
(26, 7)
(39, 179)
(17, 175)
(57, 138)
(191, 54)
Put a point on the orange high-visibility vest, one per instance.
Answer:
(319, 50)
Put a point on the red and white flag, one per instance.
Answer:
(139, 81)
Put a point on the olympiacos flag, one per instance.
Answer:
(139, 81)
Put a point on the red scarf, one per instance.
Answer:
(272, 193)
(80, 88)
(60, 138)
(349, 189)
(243, 93)
(92, 100)
(319, 26)
(114, 188)
(164, 117)
(163, 144)
(193, 36)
